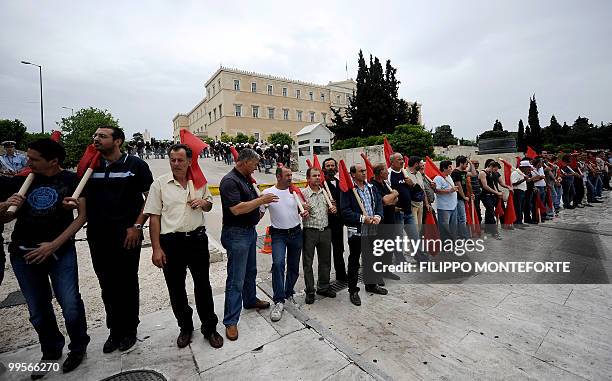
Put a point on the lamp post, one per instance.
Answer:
(42, 119)
(69, 108)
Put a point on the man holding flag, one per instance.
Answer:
(115, 197)
(179, 240)
(336, 224)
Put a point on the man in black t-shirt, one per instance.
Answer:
(240, 205)
(459, 176)
(336, 224)
(42, 248)
(115, 196)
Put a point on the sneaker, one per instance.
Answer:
(310, 298)
(291, 300)
(277, 311)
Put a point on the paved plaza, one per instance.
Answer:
(440, 331)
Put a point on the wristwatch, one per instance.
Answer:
(138, 226)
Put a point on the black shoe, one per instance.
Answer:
(184, 338)
(381, 283)
(328, 293)
(376, 289)
(111, 344)
(391, 276)
(127, 342)
(355, 299)
(73, 360)
(214, 339)
(310, 298)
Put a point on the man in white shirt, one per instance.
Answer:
(519, 178)
(537, 176)
(286, 233)
(446, 201)
(179, 241)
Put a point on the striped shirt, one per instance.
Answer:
(318, 209)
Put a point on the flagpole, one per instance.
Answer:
(22, 191)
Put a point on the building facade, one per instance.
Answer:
(259, 105)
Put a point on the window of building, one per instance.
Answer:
(237, 84)
(269, 89)
(238, 111)
(298, 94)
(219, 83)
(299, 116)
(256, 136)
(255, 111)
(302, 142)
(213, 89)
(215, 113)
(310, 94)
(285, 114)
(284, 91)
(312, 116)
(209, 117)
(220, 112)
(337, 98)
(270, 112)
(320, 150)
(323, 97)
(253, 87)
(324, 117)
(304, 151)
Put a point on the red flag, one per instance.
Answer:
(531, 153)
(234, 153)
(541, 208)
(476, 222)
(24, 172)
(56, 136)
(315, 163)
(510, 214)
(308, 163)
(431, 169)
(294, 189)
(468, 213)
(518, 161)
(388, 151)
(368, 165)
(561, 163)
(405, 161)
(499, 209)
(507, 171)
(194, 172)
(431, 233)
(345, 181)
(90, 159)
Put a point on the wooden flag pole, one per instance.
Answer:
(363, 211)
(22, 191)
(299, 202)
(82, 183)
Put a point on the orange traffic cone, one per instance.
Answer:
(267, 247)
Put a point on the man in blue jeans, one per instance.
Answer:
(42, 248)
(446, 201)
(286, 233)
(240, 205)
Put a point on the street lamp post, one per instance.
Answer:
(69, 108)
(42, 119)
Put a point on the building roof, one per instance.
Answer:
(311, 127)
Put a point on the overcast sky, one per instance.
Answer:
(467, 62)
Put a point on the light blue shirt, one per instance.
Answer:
(14, 163)
(445, 201)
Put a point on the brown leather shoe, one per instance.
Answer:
(259, 304)
(231, 332)
(184, 339)
(215, 340)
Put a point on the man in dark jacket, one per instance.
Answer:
(357, 224)
(336, 224)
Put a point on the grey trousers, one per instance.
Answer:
(321, 240)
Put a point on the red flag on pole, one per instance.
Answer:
(549, 199)
(388, 151)
(468, 213)
(194, 172)
(431, 233)
(531, 153)
(295, 189)
(308, 163)
(90, 159)
(507, 171)
(510, 214)
(234, 153)
(316, 164)
(405, 161)
(56, 136)
(431, 169)
(518, 161)
(540, 207)
(345, 181)
(369, 167)
(499, 209)
(475, 221)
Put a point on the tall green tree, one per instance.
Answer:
(443, 136)
(414, 114)
(78, 129)
(535, 137)
(13, 130)
(412, 140)
(375, 107)
(520, 137)
(280, 138)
